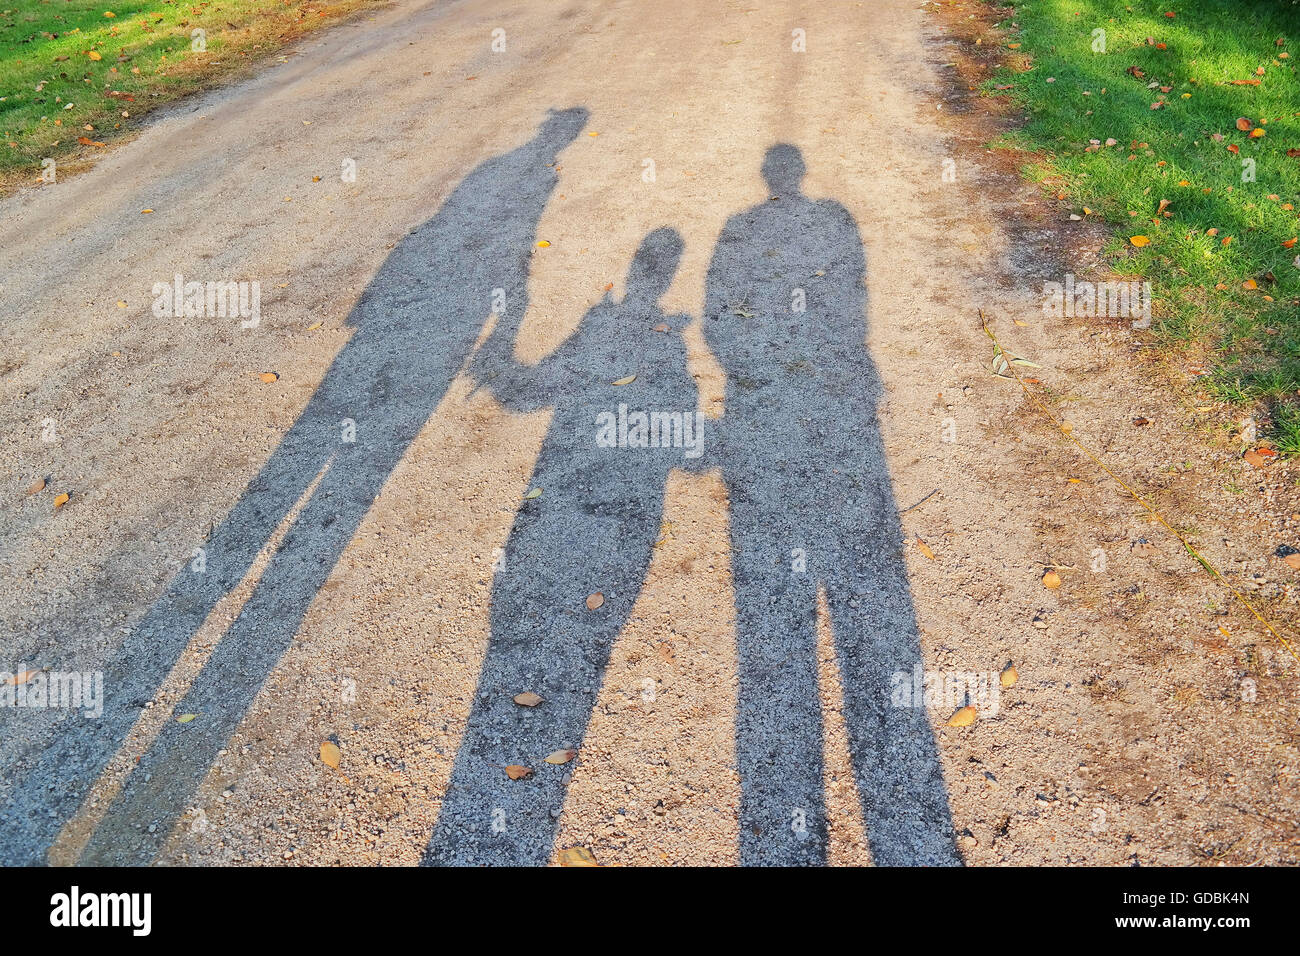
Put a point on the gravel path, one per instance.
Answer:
(477, 268)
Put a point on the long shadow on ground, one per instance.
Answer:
(416, 324)
(812, 512)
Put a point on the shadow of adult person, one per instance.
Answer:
(812, 512)
(602, 468)
(416, 324)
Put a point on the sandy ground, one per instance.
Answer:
(356, 592)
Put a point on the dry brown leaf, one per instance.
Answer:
(1293, 560)
(527, 699)
(1255, 458)
(594, 601)
(517, 772)
(1244, 124)
(561, 756)
(330, 755)
(21, 678)
(35, 486)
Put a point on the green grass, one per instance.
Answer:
(53, 89)
(1249, 345)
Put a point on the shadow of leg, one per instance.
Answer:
(896, 762)
(543, 640)
(778, 718)
(167, 776)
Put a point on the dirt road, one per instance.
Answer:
(487, 237)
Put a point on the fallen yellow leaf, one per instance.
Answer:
(185, 718)
(561, 756)
(924, 548)
(1139, 241)
(625, 381)
(1051, 580)
(963, 718)
(577, 856)
(330, 755)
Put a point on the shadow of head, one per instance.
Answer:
(784, 169)
(561, 127)
(654, 266)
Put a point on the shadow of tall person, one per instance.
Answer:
(812, 511)
(602, 470)
(416, 324)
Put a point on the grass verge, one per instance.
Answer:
(1178, 121)
(77, 74)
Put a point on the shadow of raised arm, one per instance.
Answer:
(518, 386)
